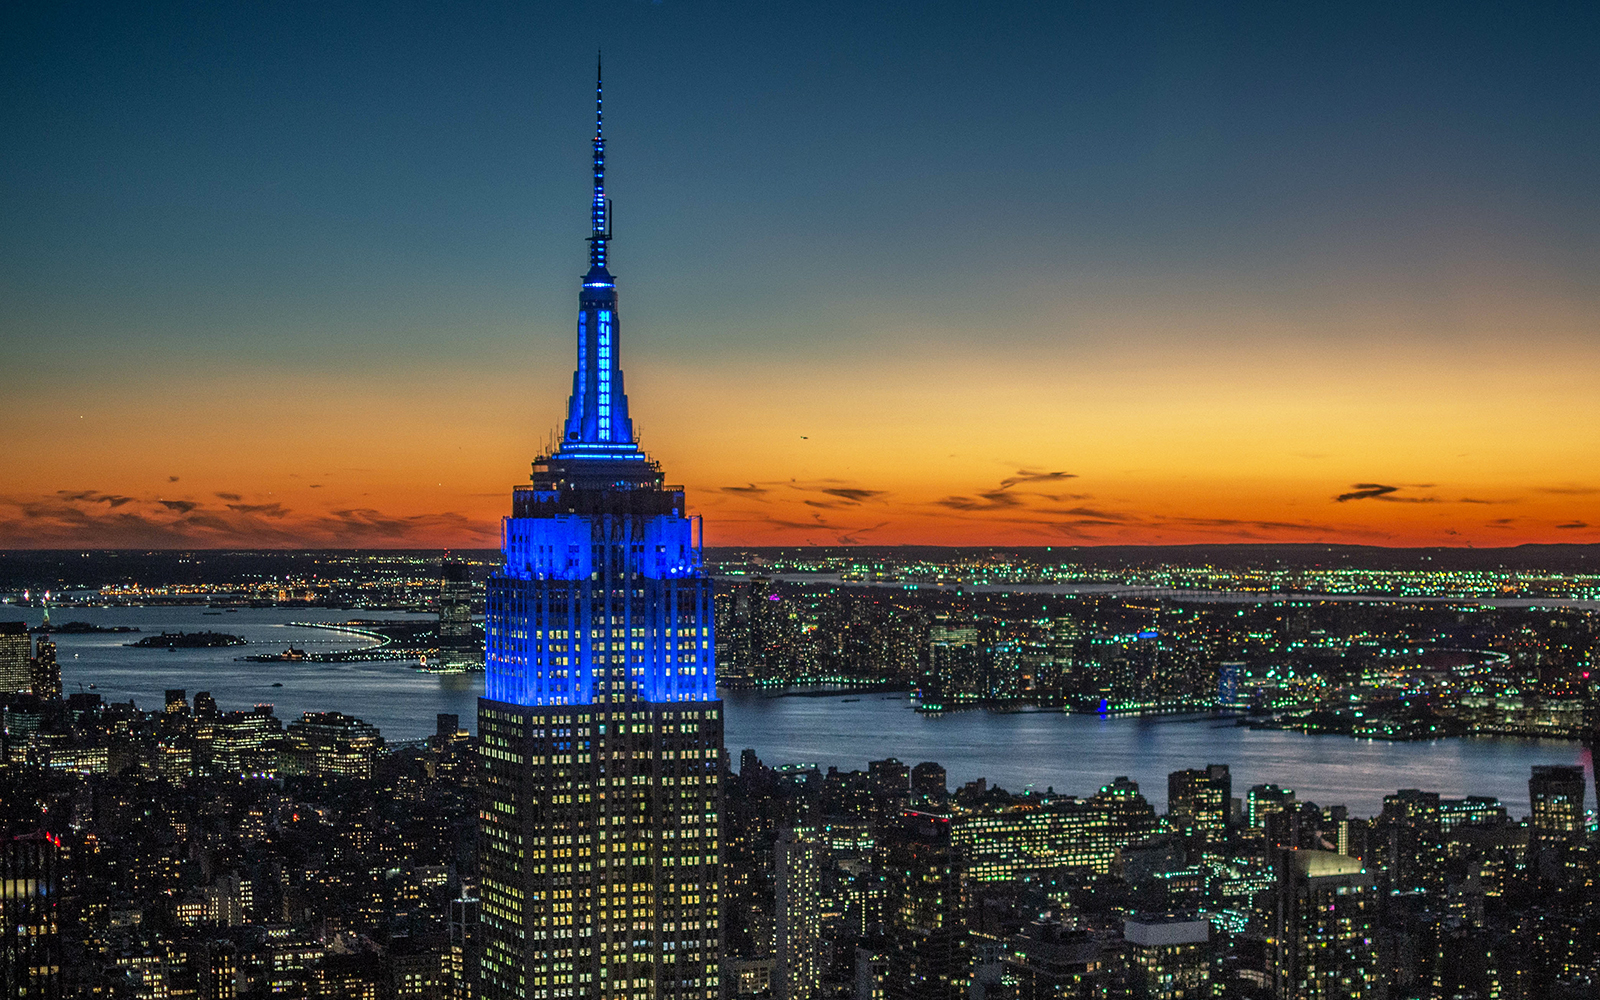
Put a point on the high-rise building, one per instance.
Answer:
(1263, 801)
(1228, 675)
(924, 908)
(1323, 927)
(44, 670)
(30, 953)
(1555, 794)
(14, 651)
(928, 783)
(1202, 799)
(1168, 956)
(460, 649)
(797, 881)
(600, 731)
(331, 745)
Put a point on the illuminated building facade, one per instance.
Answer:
(1203, 800)
(1168, 956)
(332, 745)
(600, 730)
(1323, 940)
(14, 643)
(1555, 794)
(45, 670)
(30, 953)
(797, 869)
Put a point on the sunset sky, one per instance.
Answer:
(307, 275)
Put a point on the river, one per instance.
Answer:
(1071, 753)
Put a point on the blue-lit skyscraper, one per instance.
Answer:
(600, 732)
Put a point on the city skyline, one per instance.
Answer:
(1174, 277)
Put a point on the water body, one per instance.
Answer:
(1071, 753)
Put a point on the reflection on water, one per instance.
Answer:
(1071, 753)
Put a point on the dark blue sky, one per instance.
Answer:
(377, 170)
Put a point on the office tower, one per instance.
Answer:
(1262, 801)
(45, 671)
(331, 745)
(1409, 839)
(928, 783)
(464, 919)
(797, 877)
(1202, 798)
(891, 784)
(459, 648)
(30, 952)
(14, 651)
(245, 744)
(1169, 956)
(205, 706)
(1323, 923)
(600, 731)
(1555, 794)
(923, 908)
(177, 703)
(1128, 814)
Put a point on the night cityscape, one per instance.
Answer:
(1121, 525)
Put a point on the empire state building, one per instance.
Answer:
(600, 729)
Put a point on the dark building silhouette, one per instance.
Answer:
(30, 948)
(44, 670)
(460, 649)
(923, 908)
(1555, 796)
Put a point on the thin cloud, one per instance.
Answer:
(851, 493)
(262, 509)
(993, 500)
(1378, 491)
(750, 490)
(181, 506)
(1572, 524)
(229, 496)
(1570, 491)
(94, 496)
(1030, 476)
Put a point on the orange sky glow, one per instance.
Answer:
(1152, 440)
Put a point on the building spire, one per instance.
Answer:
(597, 425)
(600, 210)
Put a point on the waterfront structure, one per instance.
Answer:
(1323, 924)
(600, 730)
(14, 643)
